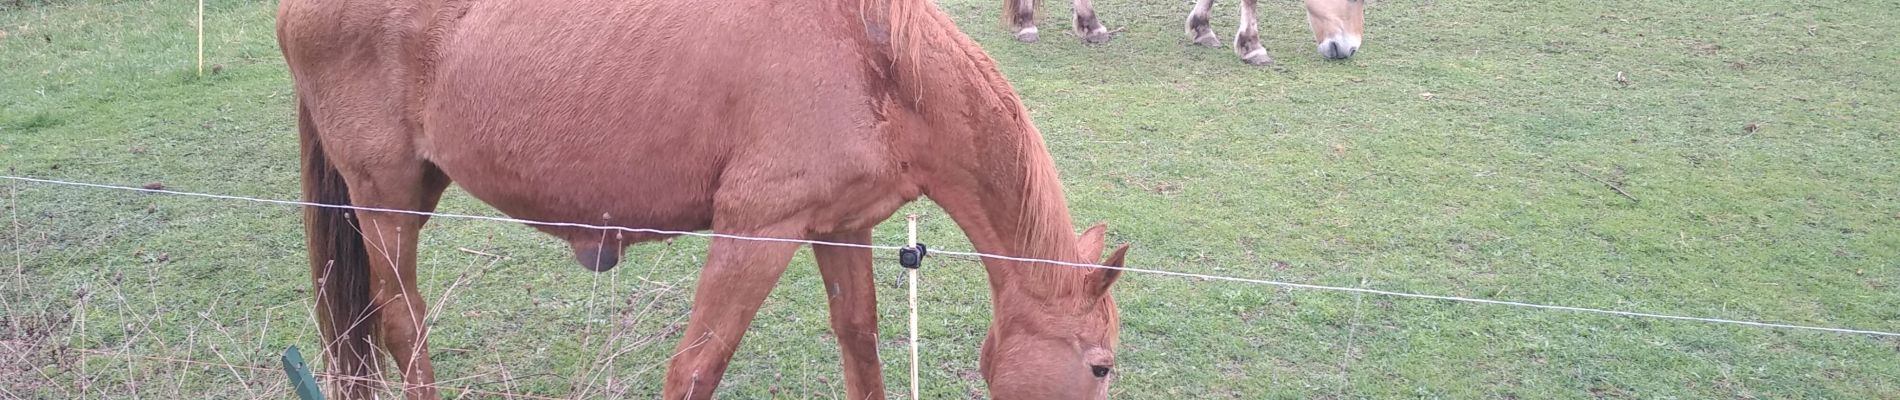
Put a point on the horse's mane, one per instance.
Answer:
(907, 19)
(925, 43)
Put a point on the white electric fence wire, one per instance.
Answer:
(982, 255)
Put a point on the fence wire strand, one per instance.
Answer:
(1289, 285)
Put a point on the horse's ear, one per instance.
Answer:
(1102, 278)
(1090, 242)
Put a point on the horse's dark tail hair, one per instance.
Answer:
(339, 269)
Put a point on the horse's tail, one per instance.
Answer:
(339, 267)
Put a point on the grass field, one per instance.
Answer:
(1467, 151)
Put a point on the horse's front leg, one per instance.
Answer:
(738, 276)
(1247, 39)
(1198, 29)
(1087, 25)
(852, 292)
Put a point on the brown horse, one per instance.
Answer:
(802, 119)
(1337, 26)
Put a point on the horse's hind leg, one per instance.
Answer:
(738, 276)
(1087, 25)
(1197, 27)
(1247, 40)
(852, 292)
(391, 240)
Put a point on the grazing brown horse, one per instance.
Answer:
(802, 119)
(1337, 26)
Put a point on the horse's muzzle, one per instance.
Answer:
(1339, 47)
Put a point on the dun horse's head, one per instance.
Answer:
(1059, 344)
(1337, 26)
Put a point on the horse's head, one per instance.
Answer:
(1337, 26)
(1060, 343)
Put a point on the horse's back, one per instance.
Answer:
(657, 112)
(637, 113)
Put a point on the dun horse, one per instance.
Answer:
(807, 119)
(1337, 26)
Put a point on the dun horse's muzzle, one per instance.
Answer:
(1339, 47)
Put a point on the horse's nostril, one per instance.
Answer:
(1338, 49)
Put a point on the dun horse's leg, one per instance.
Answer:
(1197, 28)
(852, 291)
(1087, 25)
(1247, 40)
(737, 277)
(391, 239)
(1023, 18)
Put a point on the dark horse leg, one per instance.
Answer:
(852, 292)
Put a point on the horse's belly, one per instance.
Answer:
(541, 178)
(544, 123)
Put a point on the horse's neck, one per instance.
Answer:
(986, 165)
(1016, 212)
(1012, 209)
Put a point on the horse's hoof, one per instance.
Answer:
(1028, 35)
(1257, 57)
(1089, 29)
(1207, 39)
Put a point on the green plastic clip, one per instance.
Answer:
(299, 374)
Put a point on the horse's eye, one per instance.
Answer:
(1101, 371)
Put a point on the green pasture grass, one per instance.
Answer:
(1469, 150)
